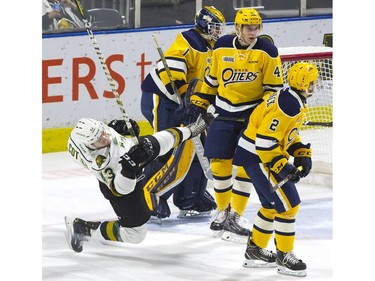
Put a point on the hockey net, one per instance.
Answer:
(318, 124)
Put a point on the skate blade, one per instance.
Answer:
(258, 264)
(286, 271)
(71, 238)
(69, 231)
(217, 233)
(232, 237)
(193, 214)
(156, 220)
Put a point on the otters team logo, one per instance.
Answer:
(230, 76)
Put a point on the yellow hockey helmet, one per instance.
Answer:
(211, 22)
(247, 16)
(65, 24)
(303, 76)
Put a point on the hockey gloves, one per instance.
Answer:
(189, 115)
(120, 127)
(280, 166)
(306, 164)
(137, 158)
(194, 105)
(302, 157)
(290, 169)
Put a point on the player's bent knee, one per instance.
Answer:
(291, 213)
(134, 235)
(221, 167)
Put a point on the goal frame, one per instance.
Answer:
(316, 130)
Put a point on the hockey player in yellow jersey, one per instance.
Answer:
(244, 67)
(188, 57)
(270, 139)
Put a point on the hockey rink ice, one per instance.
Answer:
(176, 249)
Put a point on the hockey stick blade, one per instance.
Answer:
(106, 71)
(284, 181)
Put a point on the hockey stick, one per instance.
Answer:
(206, 167)
(284, 181)
(167, 69)
(307, 123)
(106, 71)
(322, 124)
(234, 119)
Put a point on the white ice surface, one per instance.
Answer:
(173, 250)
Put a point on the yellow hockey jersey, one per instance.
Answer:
(273, 127)
(187, 58)
(240, 78)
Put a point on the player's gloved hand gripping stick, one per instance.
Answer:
(284, 181)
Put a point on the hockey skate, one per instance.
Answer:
(161, 208)
(78, 231)
(289, 264)
(217, 226)
(197, 207)
(256, 257)
(233, 229)
(196, 213)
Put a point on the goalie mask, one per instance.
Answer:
(87, 131)
(303, 76)
(211, 22)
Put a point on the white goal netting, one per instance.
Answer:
(318, 126)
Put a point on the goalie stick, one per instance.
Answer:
(106, 71)
(205, 163)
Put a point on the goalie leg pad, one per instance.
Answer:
(191, 194)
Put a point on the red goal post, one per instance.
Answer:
(318, 124)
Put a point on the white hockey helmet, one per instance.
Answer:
(87, 131)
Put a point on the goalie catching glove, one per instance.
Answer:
(302, 157)
(280, 166)
(120, 127)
